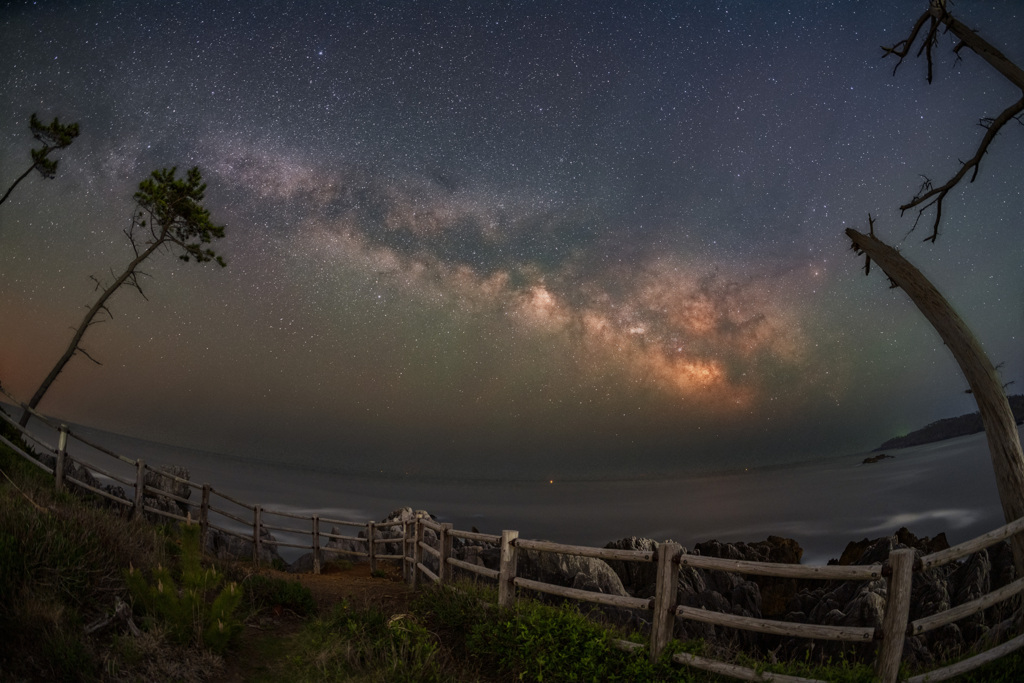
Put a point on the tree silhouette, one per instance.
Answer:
(169, 217)
(54, 136)
(982, 377)
(937, 17)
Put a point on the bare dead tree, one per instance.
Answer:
(928, 26)
(169, 217)
(982, 377)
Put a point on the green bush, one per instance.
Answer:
(201, 610)
(535, 642)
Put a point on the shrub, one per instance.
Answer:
(369, 646)
(201, 611)
(268, 592)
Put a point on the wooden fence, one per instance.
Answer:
(221, 512)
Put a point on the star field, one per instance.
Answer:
(507, 238)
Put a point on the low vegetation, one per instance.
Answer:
(66, 565)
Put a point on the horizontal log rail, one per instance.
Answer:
(341, 537)
(430, 549)
(232, 532)
(585, 551)
(164, 513)
(626, 645)
(794, 629)
(237, 502)
(972, 546)
(579, 594)
(290, 515)
(285, 544)
(425, 570)
(779, 569)
(96, 469)
(26, 456)
(286, 529)
(474, 568)
(160, 493)
(101, 449)
(172, 477)
(971, 663)
(227, 514)
(98, 491)
(354, 553)
(325, 520)
(736, 671)
(939, 619)
(24, 433)
(476, 536)
(431, 524)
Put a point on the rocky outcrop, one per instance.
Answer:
(159, 480)
(225, 546)
(390, 528)
(934, 590)
(571, 571)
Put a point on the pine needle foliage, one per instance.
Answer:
(196, 609)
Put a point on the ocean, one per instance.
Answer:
(823, 504)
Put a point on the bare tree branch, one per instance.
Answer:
(937, 16)
(929, 196)
(86, 354)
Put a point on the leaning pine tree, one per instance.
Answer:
(169, 217)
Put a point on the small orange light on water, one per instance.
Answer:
(551, 481)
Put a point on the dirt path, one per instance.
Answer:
(263, 648)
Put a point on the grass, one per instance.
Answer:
(63, 563)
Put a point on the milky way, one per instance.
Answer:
(525, 238)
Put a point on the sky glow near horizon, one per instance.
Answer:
(530, 239)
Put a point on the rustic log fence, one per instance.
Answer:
(251, 521)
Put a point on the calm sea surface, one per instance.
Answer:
(947, 486)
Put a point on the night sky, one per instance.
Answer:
(529, 239)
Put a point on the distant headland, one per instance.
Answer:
(950, 427)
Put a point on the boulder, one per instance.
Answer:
(638, 578)
(572, 571)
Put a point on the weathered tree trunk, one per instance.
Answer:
(72, 348)
(981, 47)
(996, 415)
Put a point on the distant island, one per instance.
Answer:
(950, 427)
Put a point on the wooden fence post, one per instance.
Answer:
(897, 612)
(417, 552)
(507, 568)
(204, 517)
(371, 545)
(663, 620)
(407, 531)
(256, 523)
(316, 544)
(444, 570)
(140, 485)
(62, 448)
